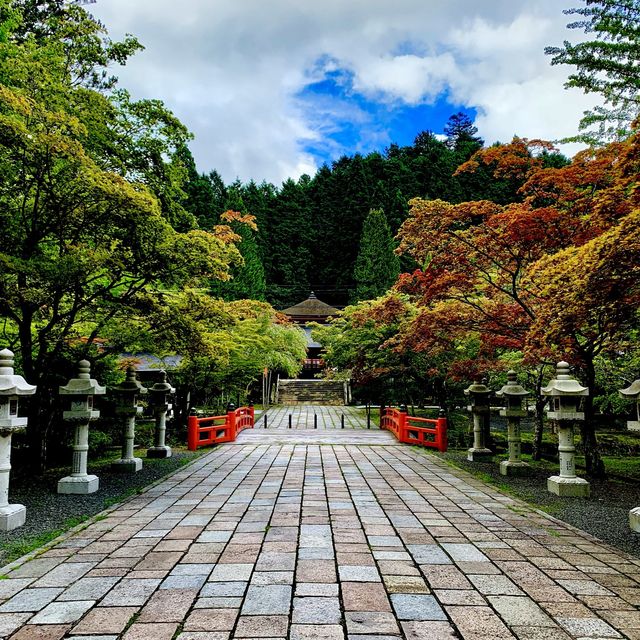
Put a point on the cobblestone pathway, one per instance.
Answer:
(289, 540)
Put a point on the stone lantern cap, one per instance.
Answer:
(477, 388)
(131, 384)
(10, 383)
(564, 384)
(632, 391)
(84, 384)
(512, 389)
(162, 387)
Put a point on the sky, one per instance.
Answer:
(273, 89)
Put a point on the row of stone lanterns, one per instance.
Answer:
(81, 392)
(565, 394)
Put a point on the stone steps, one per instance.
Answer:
(317, 392)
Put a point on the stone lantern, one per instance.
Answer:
(565, 394)
(632, 392)
(159, 396)
(513, 395)
(127, 393)
(81, 391)
(479, 395)
(11, 388)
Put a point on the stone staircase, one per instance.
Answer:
(320, 392)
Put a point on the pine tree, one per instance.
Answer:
(377, 266)
(607, 65)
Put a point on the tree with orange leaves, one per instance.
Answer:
(490, 269)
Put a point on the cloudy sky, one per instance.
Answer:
(273, 88)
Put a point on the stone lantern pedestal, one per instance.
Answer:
(565, 393)
(479, 395)
(632, 392)
(159, 394)
(127, 408)
(12, 387)
(634, 519)
(81, 391)
(513, 394)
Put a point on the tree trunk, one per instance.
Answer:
(593, 461)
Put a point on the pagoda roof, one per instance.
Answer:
(311, 307)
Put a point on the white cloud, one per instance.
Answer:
(232, 69)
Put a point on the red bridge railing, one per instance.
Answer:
(423, 432)
(202, 432)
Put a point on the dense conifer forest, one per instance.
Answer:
(309, 230)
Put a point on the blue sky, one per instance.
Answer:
(273, 89)
(351, 122)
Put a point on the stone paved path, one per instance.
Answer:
(301, 540)
(305, 416)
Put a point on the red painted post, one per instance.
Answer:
(192, 432)
(231, 423)
(252, 413)
(402, 426)
(441, 426)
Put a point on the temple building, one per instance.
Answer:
(303, 313)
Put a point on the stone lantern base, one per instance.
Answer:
(568, 487)
(159, 452)
(633, 425)
(508, 468)
(479, 455)
(12, 516)
(634, 519)
(126, 465)
(82, 485)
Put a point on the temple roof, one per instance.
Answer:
(310, 308)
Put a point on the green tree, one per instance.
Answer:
(377, 266)
(606, 65)
(85, 235)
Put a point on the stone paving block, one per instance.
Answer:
(223, 589)
(416, 607)
(428, 554)
(104, 621)
(588, 628)
(317, 631)
(316, 589)
(272, 577)
(211, 620)
(9, 622)
(62, 612)
(41, 632)
(352, 573)
(130, 592)
(36, 568)
(478, 622)
(231, 573)
(219, 602)
(262, 626)
(168, 605)
(183, 582)
(30, 600)
(10, 587)
(495, 585)
(370, 622)
(155, 631)
(464, 553)
(540, 633)
(101, 637)
(428, 631)
(316, 610)
(269, 599)
(516, 610)
(405, 584)
(316, 571)
(88, 589)
(362, 596)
